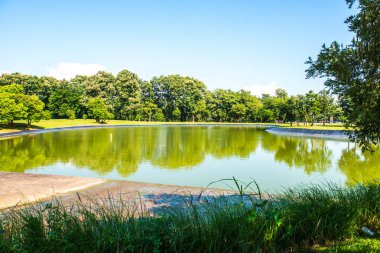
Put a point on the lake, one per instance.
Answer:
(190, 156)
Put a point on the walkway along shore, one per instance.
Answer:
(18, 189)
(302, 132)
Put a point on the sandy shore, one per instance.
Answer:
(21, 188)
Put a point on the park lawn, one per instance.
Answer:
(356, 245)
(318, 126)
(54, 123)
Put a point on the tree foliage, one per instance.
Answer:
(98, 109)
(166, 98)
(353, 72)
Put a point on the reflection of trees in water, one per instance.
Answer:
(312, 155)
(360, 167)
(124, 149)
(104, 150)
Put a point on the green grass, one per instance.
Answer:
(317, 126)
(359, 245)
(299, 220)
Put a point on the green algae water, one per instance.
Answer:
(190, 156)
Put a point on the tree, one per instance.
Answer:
(238, 111)
(272, 104)
(176, 114)
(128, 103)
(101, 85)
(291, 109)
(12, 88)
(9, 109)
(353, 72)
(326, 104)
(178, 92)
(15, 105)
(32, 107)
(67, 96)
(98, 110)
(201, 111)
(70, 114)
(281, 101)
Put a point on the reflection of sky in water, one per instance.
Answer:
(191, 156)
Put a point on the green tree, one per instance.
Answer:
(98, 110)
(101, 85)
(32, 107)
(353, 72)
(178, 92)
(312, 106)
(12, 88)
(9, 109)
(282, 105)
(292, 113)
(326, 104)
(67, 96)
(238, 112)
(128, 103)
(176, 114)
(70, 114)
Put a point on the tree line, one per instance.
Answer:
(125, 96)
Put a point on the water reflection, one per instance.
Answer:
(124, 150)
(359, 167)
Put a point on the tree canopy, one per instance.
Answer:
(353, 72)
(165, 98)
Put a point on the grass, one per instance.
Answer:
(317, 126)
(54, 123)
(355, 246)
(325, 219)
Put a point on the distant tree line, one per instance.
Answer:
(104, 96)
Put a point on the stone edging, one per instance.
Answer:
(333, 134)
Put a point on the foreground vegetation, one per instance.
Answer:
(298, 220)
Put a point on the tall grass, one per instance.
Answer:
(294, 221)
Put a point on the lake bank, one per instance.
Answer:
(284, 129)
(17, 189)
(303, 132)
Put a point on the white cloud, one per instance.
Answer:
(67, 70)
(258, 90)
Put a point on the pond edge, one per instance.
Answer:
(273, 129)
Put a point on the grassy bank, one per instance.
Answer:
(54, 123)
(326, 219)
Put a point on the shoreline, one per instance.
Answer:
(20, 189)
(314, 133)
(270, 128)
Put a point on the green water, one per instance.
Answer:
(192, 156)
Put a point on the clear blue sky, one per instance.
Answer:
(227, 44)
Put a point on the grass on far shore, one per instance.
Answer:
(315, 219)
(54, 123)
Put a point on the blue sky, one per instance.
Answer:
(235, 44)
